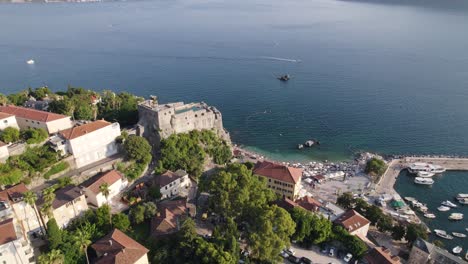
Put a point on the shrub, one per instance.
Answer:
(34, 135)
(61, 166)
(10, 134)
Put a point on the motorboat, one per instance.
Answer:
(462, 195)
(423, 181)
(429, 215)
(423, 209)
(456, 234)
(437, 169)
(300, 146)
(425, 174)
(416, 167)
(284, 78)
(443, 208)
(463, 201)
(449, 204)
(443, 234)
(456, 216)
(30, 62)
(457, 250)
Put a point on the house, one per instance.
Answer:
(169, 217)
(309, 203)
(381, 255)
(172, 184)
(69, 203)
(91, 142)
(331, 211)
(424, 252)
(114, 180)
(14, 246)
(31, 118)
(355, 223)
(12, 205)
(119, 248)
(7, 120)
(4, 154)
(42, 105)
(282, 179)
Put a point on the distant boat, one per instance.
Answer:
(443, 234)
(443, 208)
(456, 216)
(457, 250)
(462, 195)
(463, 201)
(30, 62)
(425, 174)
(424, 181)
(461, 235)
(449, 204)
(430, 216)
(284, 78)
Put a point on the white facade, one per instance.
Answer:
(94, 146)
(142, 260)
(4, 154)
(175, 187)
(98, 199)
(69, 211)
(25, 215)
(18, 250)
(51, 127)
(362, 231)
(8, 122)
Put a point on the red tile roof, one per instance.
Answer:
(118, 248)
(167, 221)
(4, 115)
(79, 131)
(109, 177)
(168, 177)
(14, 193)
(381, 255)
(31, 114)
(278, 172)
(309, 203)
(7, 231)
(352, 220)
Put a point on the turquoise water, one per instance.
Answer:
(446, 187)
(390, 78)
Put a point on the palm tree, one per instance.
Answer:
(104, 188)
(49, 196)
(30, 198)
(55, 256)
(82, 240)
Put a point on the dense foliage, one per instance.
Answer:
(141, 212)
(9, 135)
(375, 167)
(188, 151)
(34, 135)
(310, 228)
(59, 167)
(413, 231)
(353, 243)
(138, 149)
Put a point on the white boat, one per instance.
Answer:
(430, 216)
(462, 195)
(425, 167)
(443, 208)
(456, 234)
(425, 174)
(457, 250)
(456, 216)
(423, 209)
(449, 204)
(463, 201)
(30, 62)
(424, 181)
(442, 234)
(437, 169)
(410, 199)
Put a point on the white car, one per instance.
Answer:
(348, 257)
(290, 251)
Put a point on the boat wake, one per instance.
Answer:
(279, 59)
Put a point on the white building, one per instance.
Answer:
(115, 181)
(173, 183)
(91, 142)
(14, 246)
(354, 223)
(31, 118)
(69, 203)
(7, 120)
(4, 154)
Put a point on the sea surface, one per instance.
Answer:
(383, 76)
(446, 187)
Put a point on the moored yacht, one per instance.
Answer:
(456, 216)
(449, 204)
(460, 235)
(442, 234)
(443, 208)
(430, 216)
(424, 181)
(462, 195)
(425, 174)
(457, 250)
(425, 167)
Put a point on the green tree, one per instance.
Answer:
(310, 228)
(64, 181)
(54, 234)
(104, 217)
(121, 222)
(30, 198)
(3, 100)
(10, 134)
(413, 231)
(398, 232)
(346, 200)
(48, 196)
(82, 241)
(18, 98)
(34, 135)
(375, 166)
(137, 214)
(138, 149)
(84, 110)
(54, 256)
(385, 223)
(150, 209)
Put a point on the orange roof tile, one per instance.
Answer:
(5, 115)
(381, 255)
(31, 114)
(278, 172)
(7, 231)
(79, 131)
(309, 203)
(167, 221)
(14, 193)
(352, 220)
(109, 177)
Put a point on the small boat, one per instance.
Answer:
(443, 234)
(423, 209)
(30, 62)
(425, 174)
(424, 181)
(409, 199)
(461, 235)
(462, 195)
(443, 208)
(284, 78)
(309, 143)
(457, 250)
(300, 146)
(449, 204)
(456, 216)
(430, 216)
(463, 201)
(438, 169)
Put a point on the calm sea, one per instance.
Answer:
(391, 78)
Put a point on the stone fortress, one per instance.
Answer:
(159, 121)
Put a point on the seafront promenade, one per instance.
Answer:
(386, 183)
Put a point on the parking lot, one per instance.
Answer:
(314, 255)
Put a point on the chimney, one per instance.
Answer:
(110, 242)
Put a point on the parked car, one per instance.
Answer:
(290, 251)
(305, 260)
(348, 257)
(284, 254)
(293, 259)
(331, 252)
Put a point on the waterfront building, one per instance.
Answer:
(4, 154)
(115, 181)
(354, 223)
(381, 255)
(159, 121)
(172, 184)
(284, 180)
(7, 120)
(14, 245)
(424, 252)
(90, 142)
(31, 118)
(117, 247)
(69, 203)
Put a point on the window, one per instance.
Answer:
(5, 121)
